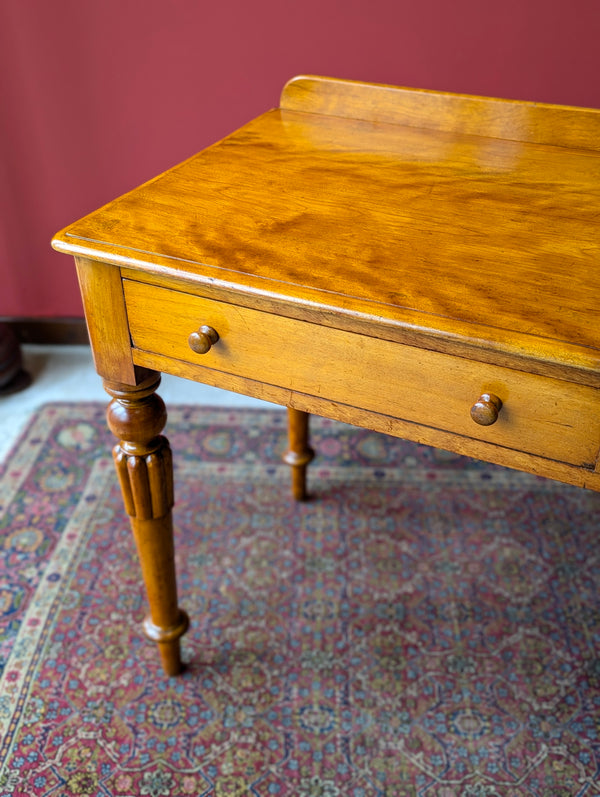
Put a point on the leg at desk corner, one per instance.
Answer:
(299, 453)
(136, 415)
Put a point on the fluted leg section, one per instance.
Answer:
(136, 416)
(299, 453)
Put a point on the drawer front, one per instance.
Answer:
(539, 415)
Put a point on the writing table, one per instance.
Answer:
(419, 263)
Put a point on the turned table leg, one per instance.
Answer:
(136, 415)
(299, 453)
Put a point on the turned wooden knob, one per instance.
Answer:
(486, 408)
(202, 340)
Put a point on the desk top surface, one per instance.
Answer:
(423, 222)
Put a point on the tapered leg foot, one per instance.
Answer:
(143, 460)
(299, 453)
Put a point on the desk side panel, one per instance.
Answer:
(106, 318)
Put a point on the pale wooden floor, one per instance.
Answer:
(66, 373)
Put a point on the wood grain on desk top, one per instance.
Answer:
(424, 228)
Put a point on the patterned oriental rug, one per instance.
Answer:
(425, 625)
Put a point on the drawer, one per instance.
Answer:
(539, 415)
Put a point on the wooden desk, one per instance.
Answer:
(423, 264)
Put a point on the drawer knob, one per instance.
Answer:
(486, 408)
(202, 340)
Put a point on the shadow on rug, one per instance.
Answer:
(426, 625)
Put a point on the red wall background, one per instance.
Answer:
(97, 96)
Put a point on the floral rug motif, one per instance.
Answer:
(425, 625)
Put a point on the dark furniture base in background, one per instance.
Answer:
(55, 331)
(12, 375)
